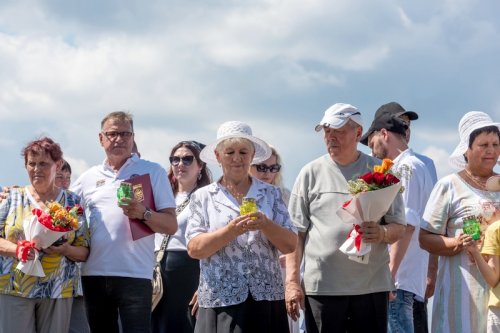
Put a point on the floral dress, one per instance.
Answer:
(61, 278)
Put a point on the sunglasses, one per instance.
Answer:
(186, 160)
(264, 168)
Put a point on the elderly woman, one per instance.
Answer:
(180, 273)
(31, 303)
(461, 295)
(240, 289)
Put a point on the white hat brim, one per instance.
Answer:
(262, 149)
(456, 158)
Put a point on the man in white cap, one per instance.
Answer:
(408, 263)
(341, 295)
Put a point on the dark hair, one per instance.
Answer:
(66, 166)
(44, 145)
(488, 129)
(195, 147)
(476, 132)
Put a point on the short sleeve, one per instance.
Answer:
(437, 210)
(491, 244)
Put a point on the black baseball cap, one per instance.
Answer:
(395, 109)
(388, 121)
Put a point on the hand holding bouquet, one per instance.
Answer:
(42, 230)
(373, 194)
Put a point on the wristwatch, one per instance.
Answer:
(147, 214)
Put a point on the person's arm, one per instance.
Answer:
(398, 250)
(163, 221)
(283, 239)
(294, 294)
(75, 253)
(441, 245)
(206, 244)
(489, 266)
(7, 248)
(431, 275)
(374, 232)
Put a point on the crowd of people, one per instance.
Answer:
(278, 268)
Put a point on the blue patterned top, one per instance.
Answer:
(249, 263)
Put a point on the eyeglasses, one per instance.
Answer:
(264, 168)
(186, 160)
(113, 135)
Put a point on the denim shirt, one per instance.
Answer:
(249, 263)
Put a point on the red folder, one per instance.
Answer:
(143, 192)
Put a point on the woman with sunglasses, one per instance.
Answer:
(269, 172)
(180, 273)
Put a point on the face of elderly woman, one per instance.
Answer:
(484, 151)
(235, 157)
(41, 169)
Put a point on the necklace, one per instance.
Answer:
(479, 182)
(236, 193)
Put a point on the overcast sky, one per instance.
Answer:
(184, 67)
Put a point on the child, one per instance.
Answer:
(488, 261)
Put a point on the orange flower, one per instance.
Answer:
(386, 165)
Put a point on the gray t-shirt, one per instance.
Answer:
(319, 191)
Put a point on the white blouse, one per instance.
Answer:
(249, 263)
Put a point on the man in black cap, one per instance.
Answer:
(387, 138)
(397, 110)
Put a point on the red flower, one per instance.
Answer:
(79, 210)
(390, 179)
(379, 178)
(367, 177)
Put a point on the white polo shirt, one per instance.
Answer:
(112, 250)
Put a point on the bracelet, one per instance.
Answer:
(385, 234)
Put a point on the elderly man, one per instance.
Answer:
(420, 321)
(341, 295)
(408, 263)
(117, 276)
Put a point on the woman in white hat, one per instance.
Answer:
(461, 294)
(240, 289)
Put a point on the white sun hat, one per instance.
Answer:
(338, 115)
(236, 129)
(470, 122)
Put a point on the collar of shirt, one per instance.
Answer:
(221, 196)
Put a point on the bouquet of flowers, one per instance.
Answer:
(373, 194)
(43, 229)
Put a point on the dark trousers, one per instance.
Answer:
(248, 317)
(353, 314)
(108, 296)
(181, 275)
(420, 317)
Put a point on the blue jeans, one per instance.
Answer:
(401, 312)
(108, 296)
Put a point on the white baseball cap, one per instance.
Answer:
(338, 115)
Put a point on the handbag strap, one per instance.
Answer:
(164, 243)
